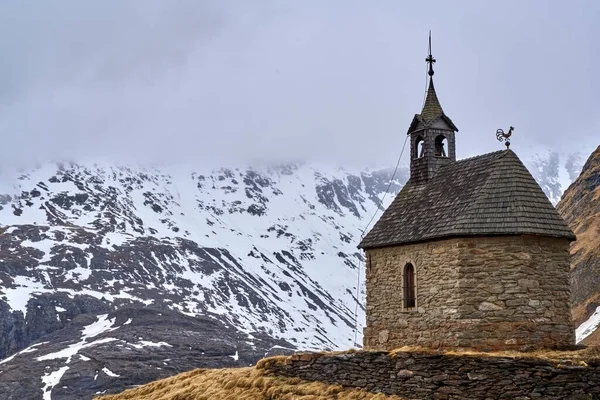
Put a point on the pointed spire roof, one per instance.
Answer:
(432, 109)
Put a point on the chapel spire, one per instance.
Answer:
(432, 107)
(432, 134)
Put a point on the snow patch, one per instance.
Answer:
(146, 343)
(26, 350)
(588, 327)
(110, 373)
(18, 297)
(50, 380)
(102, 325)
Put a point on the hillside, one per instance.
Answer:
(580, 206)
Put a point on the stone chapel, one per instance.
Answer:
(470, 253)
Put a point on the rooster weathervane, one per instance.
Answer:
(501, 136)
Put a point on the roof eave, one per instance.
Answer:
(362, 246)
(413, 125)
(417, 119)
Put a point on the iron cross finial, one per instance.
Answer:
(430, 60)
(501, 136)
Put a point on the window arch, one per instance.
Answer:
(440, 146)
(409, 286)
(419, 147)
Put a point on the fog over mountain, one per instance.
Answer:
(216, 82)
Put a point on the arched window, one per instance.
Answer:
(409, 286)
(440, 144)
(419, 148)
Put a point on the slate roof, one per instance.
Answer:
(432, 110)
(488, 195)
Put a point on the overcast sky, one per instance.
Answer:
(218, 81)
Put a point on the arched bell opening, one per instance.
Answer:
(419, 147)
(440, 146)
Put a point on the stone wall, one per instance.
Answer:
(488, 293)
(389, 325)
(434, 375)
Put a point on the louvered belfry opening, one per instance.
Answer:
(409, 286)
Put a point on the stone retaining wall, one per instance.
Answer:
(427, 375)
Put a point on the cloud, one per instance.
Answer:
(224, 81)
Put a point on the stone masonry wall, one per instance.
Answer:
(427, 375)
(515, 293)
(488, 293)
(389, 325)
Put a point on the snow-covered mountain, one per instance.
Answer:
(181, 267)
(271, 249)
(555, 171)
(267, 254)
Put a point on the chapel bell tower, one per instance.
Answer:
(432, 141)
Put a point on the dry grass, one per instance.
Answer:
(240, 384)
(573, 356)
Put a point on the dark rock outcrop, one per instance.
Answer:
(12, 330)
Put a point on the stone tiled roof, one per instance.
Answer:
(489, 195)
(432, 110)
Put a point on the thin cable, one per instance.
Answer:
(387, 189)
(363, 235)
(356, 305)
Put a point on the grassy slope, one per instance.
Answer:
(240, 384)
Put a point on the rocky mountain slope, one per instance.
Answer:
(105, 269)
(580, 206)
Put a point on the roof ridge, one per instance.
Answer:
(477, 157)
(497, 152)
